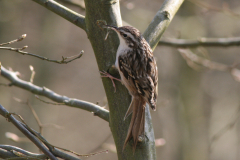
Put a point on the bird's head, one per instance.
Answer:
(127, 34)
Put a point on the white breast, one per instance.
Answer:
(122, 49)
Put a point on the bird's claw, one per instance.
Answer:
(106, 74)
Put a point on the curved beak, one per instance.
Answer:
(111, 27)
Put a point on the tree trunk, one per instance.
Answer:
(105, 52)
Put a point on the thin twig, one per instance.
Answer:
(33, 73)
(33, 135)
(81, 155)
(63, 61)
(33, 112)
(48, 124)
(36, 117)
(100, 145)
(188, 55)
(40, 137)
(191, 57)
(52, 125)
(15, 40)
(40, 124)
(43, 91)
(11, 118)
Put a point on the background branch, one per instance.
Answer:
(6, 151)
(189, 56)
(225, 8)
(35, 137)
(64, 60)
(97, 110)
(40, 124)
(206, 42)
(53, 148)
(15, 40)
(161, 21)
(10, 117)
(66, 13)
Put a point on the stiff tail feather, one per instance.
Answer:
(136, 127)
(130, 110)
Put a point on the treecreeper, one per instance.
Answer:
(139, 73)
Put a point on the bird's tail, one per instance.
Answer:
(136, 127)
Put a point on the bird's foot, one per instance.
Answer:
(106, 74)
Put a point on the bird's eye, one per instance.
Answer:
(124, 35)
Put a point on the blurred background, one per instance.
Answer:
(198, 110)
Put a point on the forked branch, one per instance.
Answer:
(35, 140)
(64, 60)
(49, 150)
(43, 91)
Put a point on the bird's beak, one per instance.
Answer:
(112, 28)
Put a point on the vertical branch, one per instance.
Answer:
(161, 21)
(105, 53)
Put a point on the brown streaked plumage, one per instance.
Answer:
(138, 71)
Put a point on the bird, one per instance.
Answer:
(139, 73)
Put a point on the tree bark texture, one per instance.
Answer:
(105, 52)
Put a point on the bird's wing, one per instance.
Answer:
(143, 75)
